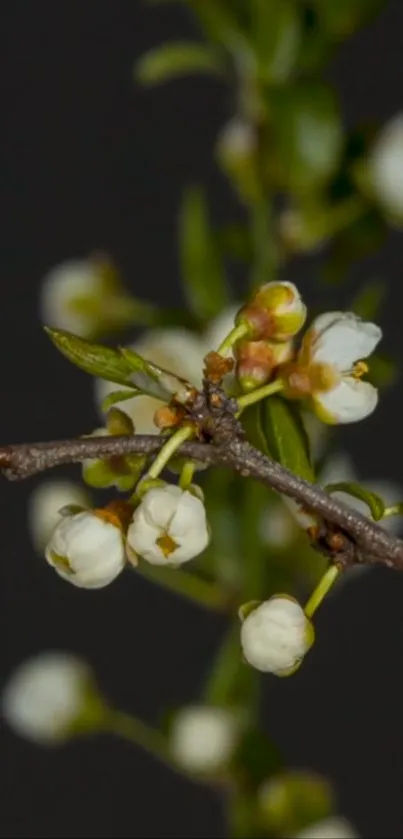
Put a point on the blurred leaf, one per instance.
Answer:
(308, 134)
(316, 46)
(258, 756)
(383, 371)
(252, 425)
(225, 23)
(234, 242)
(276, 35)
(286, 437)
(371, 499)
(291, 801)
(367, 303)
(361, 238)
(342, 17)
(230, 682)
(202, 271)
(118, 396)
(170, 61)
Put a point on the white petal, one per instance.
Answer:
(350, 401)
(159, 505)
(345, 340)
(386, 166)
(93, 548)
(142, 538)
(61, 286)
(45, 695)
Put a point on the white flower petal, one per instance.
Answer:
(350, 401)
(345, 340)
(142, 538)
(160, 504)
(66, 282)
(45, 695)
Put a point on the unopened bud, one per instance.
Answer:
(276, 312)
(257, 361)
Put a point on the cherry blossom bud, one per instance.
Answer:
(257, 360)
(335, 827)
(276, 313)
(88, 548)
(169, 527)
(276, 635)
(44, 505)
(204, 738)
(386, 166)
(46, 696)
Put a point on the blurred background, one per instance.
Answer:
(93, 162)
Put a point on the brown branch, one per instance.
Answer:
(370, 542)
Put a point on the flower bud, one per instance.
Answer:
(276, 635)
(88, 548)
(169, 527)
(46, 696)
(204, 738)
(276, 312)
(257, 360)
(291, 801)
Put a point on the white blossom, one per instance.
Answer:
(72, 295)
(203, 738)
(45, 696)
(335, 345)
(87, 549)
(169, 526)
(335, 827)
(276, 635)
(44, 504)
(386, 166)
(176, 350)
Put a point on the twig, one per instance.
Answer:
(371, 543)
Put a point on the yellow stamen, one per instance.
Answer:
(359, 369)
(167, 545)
(62, 562)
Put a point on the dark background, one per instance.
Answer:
(91, 162)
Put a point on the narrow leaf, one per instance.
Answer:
(118, 396)
(285, 436)
(372, 500)
(176, 59)
(202, 270)
(95, 359)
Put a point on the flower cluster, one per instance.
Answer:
(90, 548)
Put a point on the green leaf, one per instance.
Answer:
(118, 396)
(170, 61)
(374, 502)
(285, 436)
(342, 17)
(121, 365)
(308, 135)
(277, 27)
(202, 271)
(105, 362)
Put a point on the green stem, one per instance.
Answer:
(321, 590)
(186, 475)
(138, 732)
(187, 585)
(230, 681)
(168, 450)
(236, 333)
(260, 393)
